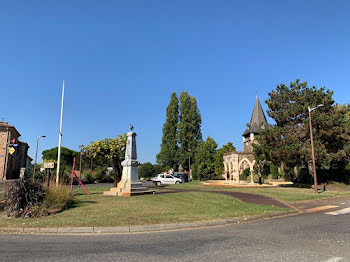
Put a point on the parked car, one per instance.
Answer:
(183, 176)
(165, 179)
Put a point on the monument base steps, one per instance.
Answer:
(128, 189)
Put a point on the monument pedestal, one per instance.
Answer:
(130, 184)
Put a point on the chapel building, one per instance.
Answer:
(236, 162)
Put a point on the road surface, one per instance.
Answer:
(322, 234)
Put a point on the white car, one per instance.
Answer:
(164, 179)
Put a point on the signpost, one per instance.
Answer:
(49, 166)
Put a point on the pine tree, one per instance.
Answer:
(189, 133)
(288, 141)
(168, 155)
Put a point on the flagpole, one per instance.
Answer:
(60, 140)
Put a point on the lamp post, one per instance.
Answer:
(36, 154)
(312, 147)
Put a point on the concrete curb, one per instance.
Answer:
(139, 229)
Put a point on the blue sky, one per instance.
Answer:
(121, 61)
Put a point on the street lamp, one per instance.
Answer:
(312, 147)
(36, 154)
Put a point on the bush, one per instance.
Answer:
(58, 197)
(245, 174)
(147, 170)
(23, 198)
(2, 202)
(274, 171)
(86, 178)
(99, 174)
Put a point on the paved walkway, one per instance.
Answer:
(245, 197)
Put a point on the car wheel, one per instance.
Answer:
(158, 183)
(177, 182)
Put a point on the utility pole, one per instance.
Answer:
(36, 154)
(312, 148)
(60, 139)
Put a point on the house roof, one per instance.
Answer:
(5, 126)
(258, 120)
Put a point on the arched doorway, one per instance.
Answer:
(245, 164)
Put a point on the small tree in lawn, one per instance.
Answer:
(113, 149)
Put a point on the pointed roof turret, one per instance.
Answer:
(258, 120)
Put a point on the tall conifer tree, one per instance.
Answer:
(189, 133)
(168, 155)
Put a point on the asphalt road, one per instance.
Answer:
(316, 236)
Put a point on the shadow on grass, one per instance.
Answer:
(79, 203)
(84, 194)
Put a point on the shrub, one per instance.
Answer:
(99, 174)
(146, 170)
(2, 202)
(23, 198)
(274, 171)
(245, 174)
(58, 197)
(86, 178)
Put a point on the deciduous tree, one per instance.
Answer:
(205, 159)
(113, 149)
(219, 162)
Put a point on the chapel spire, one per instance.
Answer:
(257, 123)
(258, 119)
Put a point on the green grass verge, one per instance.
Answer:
(99, 210)
(288, 194)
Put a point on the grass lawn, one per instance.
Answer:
(99, 210)
(287, 194)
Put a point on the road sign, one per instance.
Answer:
(12, 150)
